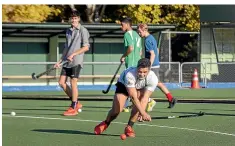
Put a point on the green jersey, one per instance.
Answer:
(131, 38)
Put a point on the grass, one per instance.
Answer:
(40, 123)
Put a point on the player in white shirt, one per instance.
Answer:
(138, 83)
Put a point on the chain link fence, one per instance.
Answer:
(207, 73)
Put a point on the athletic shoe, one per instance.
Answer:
(126, 110)
(129, 131)
(150, 105)
(78, 106)
(172, 103)
(100, 128)
(70, 112)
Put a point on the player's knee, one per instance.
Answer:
(73, 81)
(145, 100)
(62, 84)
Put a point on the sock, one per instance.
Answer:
(130, 123)
(106, 122)
(111, 119)
(73, 105)
(169, 96)
(150, 99)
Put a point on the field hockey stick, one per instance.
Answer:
(34, 76)
(111, 82)
(182, 116)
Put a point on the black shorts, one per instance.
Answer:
(120, 88)
(72, 72)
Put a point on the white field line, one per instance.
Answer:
(149, 125)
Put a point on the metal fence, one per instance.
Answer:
(187, 69)
(207, 73)
(92, 73)
(173, 72)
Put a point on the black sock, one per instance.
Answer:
(111, 119)
(130, 123)
(73, 105)
(106, 122)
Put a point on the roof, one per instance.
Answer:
(107, 30)
(218, 25)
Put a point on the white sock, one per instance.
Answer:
(150, 99)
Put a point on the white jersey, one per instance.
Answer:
(129, 78)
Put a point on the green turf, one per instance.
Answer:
(180, 93)
(79, 130)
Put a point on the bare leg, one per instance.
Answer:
(172, 101)
(74, 88)
(64, 86)
(163, 88)
(117, 107)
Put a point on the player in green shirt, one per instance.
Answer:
(132, 44)
(133, 47)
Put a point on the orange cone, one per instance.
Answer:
(195, 82)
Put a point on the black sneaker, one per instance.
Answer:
(172, 103)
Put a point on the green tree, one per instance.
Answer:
(28, 13)
(142, 13)
(186, 17)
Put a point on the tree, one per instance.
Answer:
(186, 17)
(142, 13)
(94, 13)
(28, 13)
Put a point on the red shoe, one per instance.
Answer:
(129, 131)
(70, 112)
(78, 106)
(100, 128)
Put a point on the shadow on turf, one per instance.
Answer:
(85, 106)
(36, 109)
(69, 132)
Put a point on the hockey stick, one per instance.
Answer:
(111, 82)
(34, 76)
(182, 116)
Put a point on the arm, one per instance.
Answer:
(130, 82)
(133, 94)
(81, 50)
(128, 43)
(85, 44)
(128, 51)
(152, 57)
